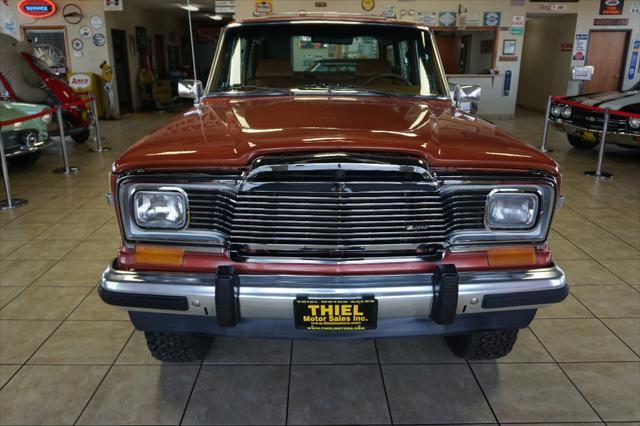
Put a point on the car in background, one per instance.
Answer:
(23, 141)
(582, 118)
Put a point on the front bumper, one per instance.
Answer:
(612, 137)
(270, 297)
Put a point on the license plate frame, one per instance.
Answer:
(589, 136)
(335, 314)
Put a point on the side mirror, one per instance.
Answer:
(191, 89)
(465, 97)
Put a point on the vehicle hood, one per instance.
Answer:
(230, 132)
(10, 110)
(624, 100)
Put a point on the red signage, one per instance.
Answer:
(37, 8)
(610, 21)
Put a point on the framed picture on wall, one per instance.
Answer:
(141, 39)
(509, 47)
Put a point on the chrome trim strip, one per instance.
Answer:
(271, 296)
(612, 137)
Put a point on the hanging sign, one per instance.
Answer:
(635, 51)
(580, 47)
(611, 7)
(37, 8)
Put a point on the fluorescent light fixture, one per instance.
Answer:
(216, 17)
(190, 7)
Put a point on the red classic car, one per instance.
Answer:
(362, 204)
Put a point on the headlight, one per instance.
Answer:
(556, 110)
(634, 122)
(511, 210)
(160, 209)
(46, 119)
(566, 112)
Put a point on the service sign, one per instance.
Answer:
(611, 7)
(80, 81)
(37, 8)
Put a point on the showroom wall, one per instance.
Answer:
(154, 22)
(542, 66)
(494, 102)
(87, 59)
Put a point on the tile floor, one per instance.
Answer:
(66, 358)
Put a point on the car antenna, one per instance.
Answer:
(193, 51)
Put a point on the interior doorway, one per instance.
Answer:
(546, 59)
(161, 69)
(606, 52)
(121, 69)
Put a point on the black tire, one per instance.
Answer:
(177, 347)
(24, 160)
(579, 143)
(484, 344)
(81, 136)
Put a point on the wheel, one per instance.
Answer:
(81, 136)
(484, 344)
(177, 347)
(578, 142)
(24, 160)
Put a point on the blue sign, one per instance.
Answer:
(634, 59)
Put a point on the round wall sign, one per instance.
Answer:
(72, 13)
(96, 22)
(98, 39)
(77, 44)
(37, 8)
(368, 5)
(85, 31)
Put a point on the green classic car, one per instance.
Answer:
(24, 140)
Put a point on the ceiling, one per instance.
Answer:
(172, 7)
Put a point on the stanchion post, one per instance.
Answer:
(10, 202)
(598, 173)
(545, 132)
(66, 169)
(97, 138)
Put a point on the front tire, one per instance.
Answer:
(579, 143)
(81, 136)
(177, 347)
(484, 344)
(25, 160)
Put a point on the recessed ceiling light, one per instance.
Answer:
(190, 7)
(216, 17)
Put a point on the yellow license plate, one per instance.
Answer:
(589, 137)
(335, 314)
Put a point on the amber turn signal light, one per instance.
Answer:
(157, 255)
(511, 256)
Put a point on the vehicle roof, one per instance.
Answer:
(337, 17)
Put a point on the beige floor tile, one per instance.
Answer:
(141, 395)
(7, 247)
(532, 393)
(20, 339)
(84, 342)
(581, 340)
(606, 247)
(526, 349)
(22, 272)
(73, 273)
(609, 301)
(8, 293)
(50, 303)
(562, 249)
(48, 394)
(68, 231)
(95, 250)
(43, 216)
(6, 372)
(628, 270)
(415, 350)
(136, 352)
(21, 231)
(108, 231)
(627, 329)
(89, 216)
(580, 272)
(569, 308)
(93, 308)
(613, 389)
(44, 250)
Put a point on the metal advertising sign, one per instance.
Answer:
(611, 7)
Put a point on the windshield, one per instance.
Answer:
(324, 57)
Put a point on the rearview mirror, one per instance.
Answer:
(191, 89)
(465, 97)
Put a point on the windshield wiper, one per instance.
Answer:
(251, 88)
(339, 88)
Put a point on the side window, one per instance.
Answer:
(403, 48)
(390, 55)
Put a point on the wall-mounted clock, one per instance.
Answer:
(72, 13)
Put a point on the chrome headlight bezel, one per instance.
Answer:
(634, 123)
(183, 205)
(556, 110)
(497, 194)
(566, 112)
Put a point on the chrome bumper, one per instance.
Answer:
(272, 296)
(612, 137)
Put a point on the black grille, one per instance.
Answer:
(337, 220)
(594, 120)
(15, 140)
